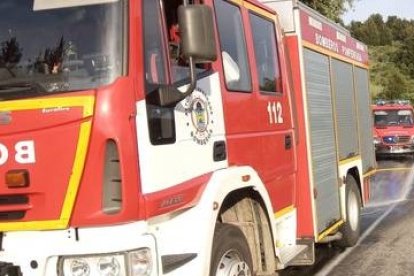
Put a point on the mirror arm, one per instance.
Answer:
(168, 95)
(193, 78)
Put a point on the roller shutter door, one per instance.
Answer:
(322, 134)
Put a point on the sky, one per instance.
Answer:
(364, 8)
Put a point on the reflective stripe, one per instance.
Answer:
(87, 103)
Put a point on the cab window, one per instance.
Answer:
(164, 64)
(164, 60)
(267, 60)
(155, 55)
(233, 46)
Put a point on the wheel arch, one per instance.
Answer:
(247, 209)
(351, 228)
(224, 189)
(354, 172)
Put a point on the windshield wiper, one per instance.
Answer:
(12, 91)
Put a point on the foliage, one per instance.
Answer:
(391, 44)
(332, 9)
(52, 58)
(10, 54)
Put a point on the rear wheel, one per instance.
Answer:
(230, 255)
(352, 227)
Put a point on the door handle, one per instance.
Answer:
(288, 141)
(219, 151)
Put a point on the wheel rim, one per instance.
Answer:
(353, 211)
(232, 264)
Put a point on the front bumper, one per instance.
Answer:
(394, 149)
(36, 253)
(9, 269)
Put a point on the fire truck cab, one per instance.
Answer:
(393, 128)
(169, 137)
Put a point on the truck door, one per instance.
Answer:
(274, 114)
(256, 107)
(179, 143)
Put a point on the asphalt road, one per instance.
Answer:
(386, 246)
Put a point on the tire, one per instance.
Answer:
(230, 255)
(351, 229)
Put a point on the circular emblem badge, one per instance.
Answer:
(199, 108)
(199, 115)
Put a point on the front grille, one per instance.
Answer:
(396, 139)
(12, 215)
(13, 207)
(13, 199)
(403, 139)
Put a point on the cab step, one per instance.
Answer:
(303, 253)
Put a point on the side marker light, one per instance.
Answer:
(17, 179)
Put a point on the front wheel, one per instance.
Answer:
(230, 255)
(352, 227)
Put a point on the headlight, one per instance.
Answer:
(133, 263)
(140, 262)
(79, 268)
(377, 140)
(109, 266)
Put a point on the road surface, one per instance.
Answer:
(386, 246)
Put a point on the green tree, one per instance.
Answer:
(391, 51)
(332, 9)
(395, 85)
(395, 25)
(406, 55)
(373, 31)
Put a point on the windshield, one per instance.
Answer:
(393, 117)
(47, 51)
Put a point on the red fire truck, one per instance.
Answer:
(155, 137)
(394, 128)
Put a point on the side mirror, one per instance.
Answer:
(198, 45)
(197, 33)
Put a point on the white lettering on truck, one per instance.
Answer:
(4, 154)
(24, 153)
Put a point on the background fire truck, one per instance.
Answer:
(138, 137)
(394, 128)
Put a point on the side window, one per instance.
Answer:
(154, 56)
(159, 18)
(233, 46)
(179, 67)
(163, 63)
(161, 121)
(267, 59)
